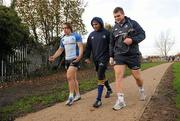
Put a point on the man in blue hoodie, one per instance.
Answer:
(98, 44)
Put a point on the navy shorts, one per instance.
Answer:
(71, 63)
(132, 61)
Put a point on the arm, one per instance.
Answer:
(139, 34)
(111, 45)
(88, 49)
(111, 49)
(56, 54)
(80, 45)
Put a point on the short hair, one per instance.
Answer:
(68, 26)
(118, 9)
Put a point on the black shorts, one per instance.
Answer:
(100, 69)
(71, 63)
(132, 61)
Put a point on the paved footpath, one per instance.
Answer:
(83, 111)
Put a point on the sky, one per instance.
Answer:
(155, 16)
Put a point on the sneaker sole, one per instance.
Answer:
(119, 108)
(143, 99)
(97, 106)
(107, 96)
(69, 104)
(77, 99)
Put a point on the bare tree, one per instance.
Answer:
(165, 43)
(72, 11)
(28, 13)
(45, 17)
(108, 26)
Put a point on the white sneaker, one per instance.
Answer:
(119, 105)
(70, 101)
(142, 95)
(77, 97)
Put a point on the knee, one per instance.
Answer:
(119, 80)
(69, 77)
(138, 78)
(76, 81)
(101, 74)
(119, 77)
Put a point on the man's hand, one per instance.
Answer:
(77, 59)
(128, 41)
(87, 61)
(51, 58)
(111, 61)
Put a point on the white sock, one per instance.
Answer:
(78, 95)
(141, 89)
(71, 95)
(120, 97)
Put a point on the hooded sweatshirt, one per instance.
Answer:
(98, 43)
(137, 35)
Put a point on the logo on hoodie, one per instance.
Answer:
(104, 36)
(92, 37)
(126, 26)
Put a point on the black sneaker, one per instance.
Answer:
(97, 104)
(108, 93)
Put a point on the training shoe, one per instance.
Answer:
(97, 104)
(108, 93)
(119, 105)
(77, 97)
(70, 101)
(142, 95)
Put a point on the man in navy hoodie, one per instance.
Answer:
(98, 44)
(124, 51)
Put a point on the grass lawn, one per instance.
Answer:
(176, 84)
(31, 103)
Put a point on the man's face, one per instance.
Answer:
(119, 17)
(96, 25)
(66, 30)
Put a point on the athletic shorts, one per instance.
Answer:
(71, 63)
(132, 61)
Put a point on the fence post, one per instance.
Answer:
(13, 72)
(2, 70)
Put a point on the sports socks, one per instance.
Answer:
(100, 90)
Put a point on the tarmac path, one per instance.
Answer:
(83, 110)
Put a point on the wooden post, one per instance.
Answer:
(2, 71)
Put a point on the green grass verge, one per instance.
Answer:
(176, 84)
(32, 103)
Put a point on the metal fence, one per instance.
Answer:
(13, 67)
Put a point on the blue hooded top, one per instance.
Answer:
(98, 43)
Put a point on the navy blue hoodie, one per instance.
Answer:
(137, 36)
(98, 43)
